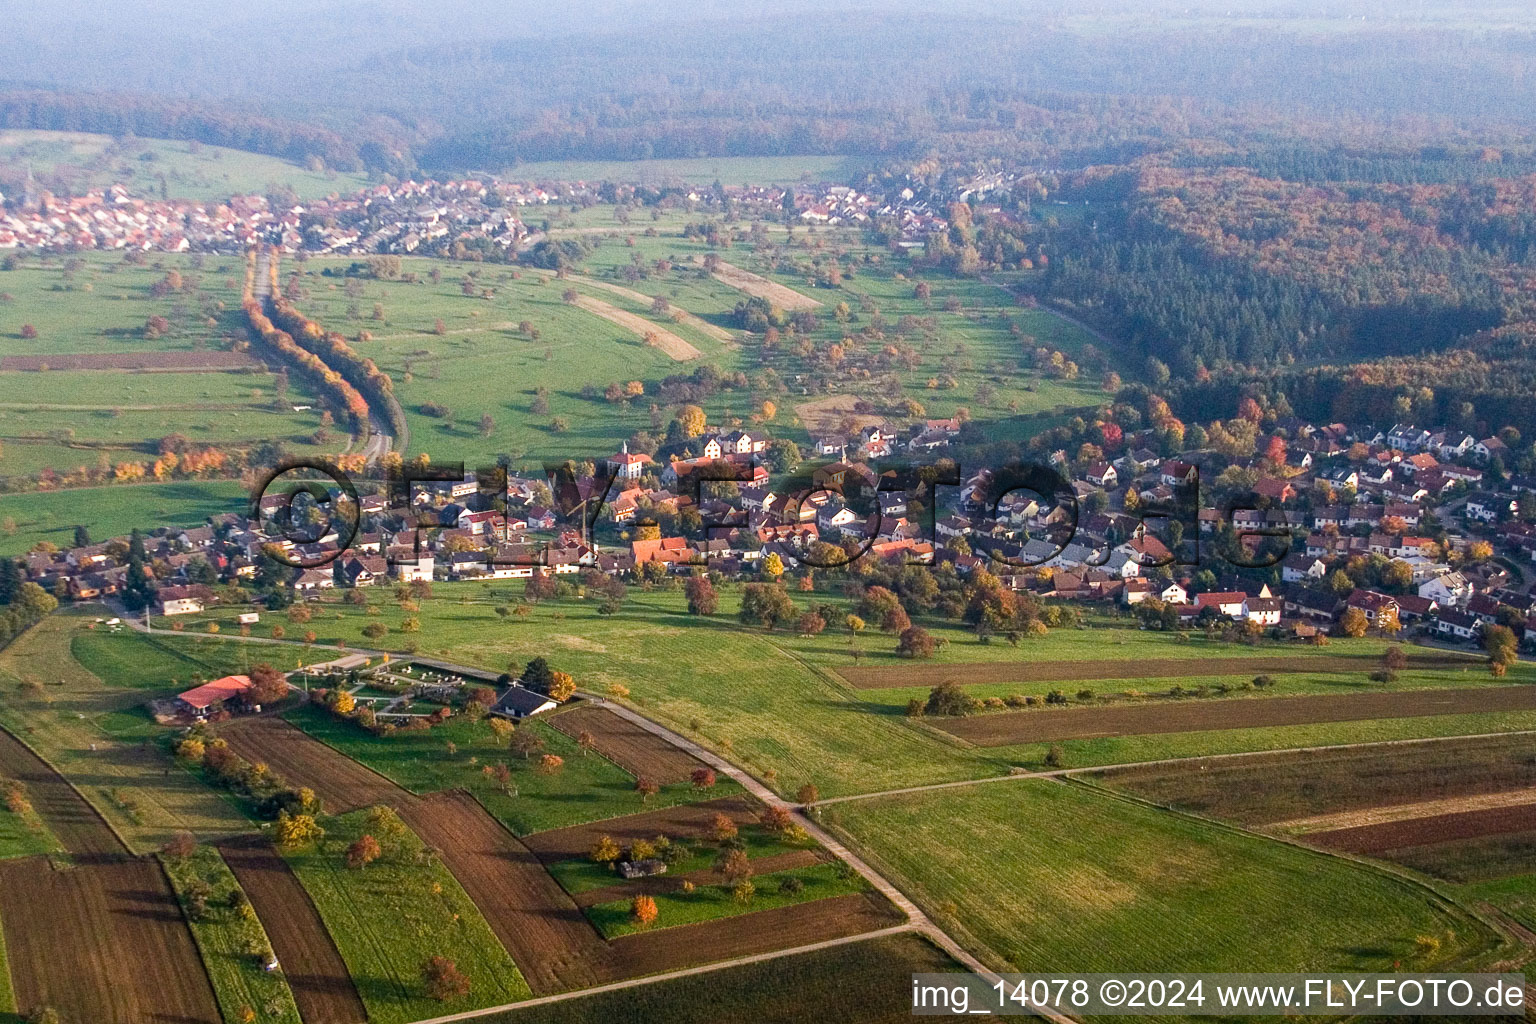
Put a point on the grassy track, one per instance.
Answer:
(226, 936)
(1048, 876)
(388, 918)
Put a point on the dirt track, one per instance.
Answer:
(73, 821)
(675, 347)
(549, 938)
(1024, 671)
(341, 783)
(103, 943)
(1438, 828)
(626, 744)
(311, 963)
(991, 730)
(688, 821)
(761, 287)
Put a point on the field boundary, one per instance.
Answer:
(1410, 879)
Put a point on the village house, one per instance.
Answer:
(200, 700)
(180, 600)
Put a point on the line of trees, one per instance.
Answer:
(358, 371)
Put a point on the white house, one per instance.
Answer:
(179, 601)
(1450, 589)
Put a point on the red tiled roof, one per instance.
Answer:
(219, 689)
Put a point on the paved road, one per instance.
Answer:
(916, 920)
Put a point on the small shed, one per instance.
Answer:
(642, 868)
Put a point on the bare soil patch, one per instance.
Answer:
(675, 347)
(686, 821)
(341, 783)
(1022, 671)
(163, 361)
(670, 949)
(549, 938)
(760, 287)
(311, 963)
(103, 942)
(992, 730)
(79, 829)
(1425, 831)
(626, 744)
(1287, 787)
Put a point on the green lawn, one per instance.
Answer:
(387, 919)
(98, 737)
(775, 703)
(191, 170)
(711, 902)
(130, 660)
(1051, 876)
(729, 687)
(26, 519)
(231, 940)
(583, 875)
(588, 788)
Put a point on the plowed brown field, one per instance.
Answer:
(994, 730)
(311, 963)
(103, 943)
(549, 938)
(73, 821)
(626, 744)
(341, 783)
(1437, 828)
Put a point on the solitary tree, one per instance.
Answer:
(443, 979)
(363, 852)
(643, 911)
